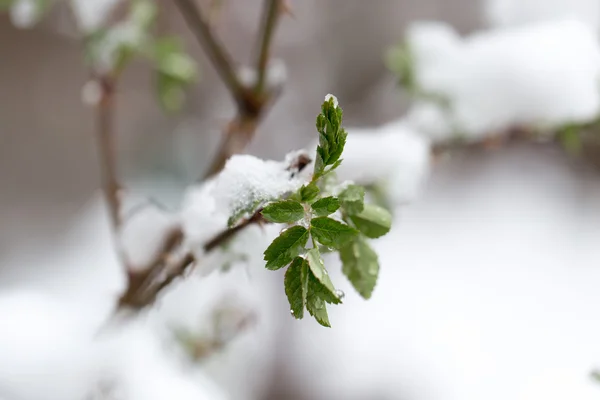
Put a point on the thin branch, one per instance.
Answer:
(238, 135)
(486, 142)
(272, 10)
(251, 101)
(107, 151)
(145, 285)
(198, 24)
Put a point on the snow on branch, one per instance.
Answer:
(541, 75)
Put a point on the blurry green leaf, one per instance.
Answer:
(400, 61)
(352, 199)
(325, 206)
(170, 93)
(175, 69)
(289, 244)
(571, 140)
(5, 4)
(143, 13)
(330, 232)
(285, 211)
(171, 60)
(373, 221)
(360, 265)
(378, 195)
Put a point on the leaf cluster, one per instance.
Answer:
(320, 221)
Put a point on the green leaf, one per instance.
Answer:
(319, 163)
(352, 199)
(373, 221)
(143, 13)
(5, 4)
(315, 305)
(361, 266)
(171, 94)
(332, 137)
(285, 211)
(337, 150)
(309, 192)
(296, 286)
(286, 247)
(327, 292)
(173, 61)
(400, 61)
(330, 232)
(175, 69)
(325, 206)
(335, 165)
(570, 139)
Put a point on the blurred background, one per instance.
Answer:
(489, 280)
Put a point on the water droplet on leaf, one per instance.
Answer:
(340, 294)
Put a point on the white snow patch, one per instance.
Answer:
(522, 12)
(247, 180)
(335, 100)
(144, 233)
(392, 156)
(51, 351)
(45, 354)
(276, 74)
(201, 221)
(544, 75)
(126, 34)
(92, 14)
(24, 13)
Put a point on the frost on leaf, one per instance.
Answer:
(247, 182)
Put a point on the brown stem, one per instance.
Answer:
(145, 285)
(215, 50)
(488, 142)
(107, 150)
(251, 102)
(272, 10)
(238, 135)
